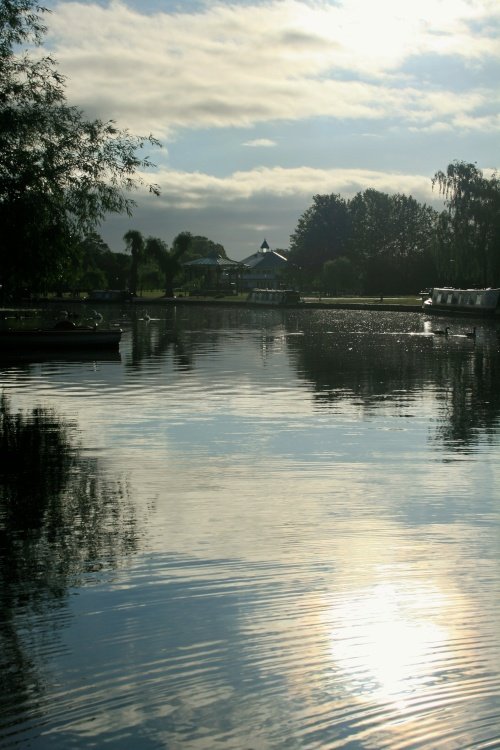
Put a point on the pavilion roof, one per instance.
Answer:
(212, 261)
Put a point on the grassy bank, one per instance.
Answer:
(156, 297)
(409, 301)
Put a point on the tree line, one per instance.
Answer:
(380, 243)
(146, 263)
(61, 175)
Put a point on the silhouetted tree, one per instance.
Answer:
(387, 239)
(60, 174)
(338, 276)
(135, 245)
(322, 233)
(168, 261)
(468, 246)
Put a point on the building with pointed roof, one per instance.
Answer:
(263, 269)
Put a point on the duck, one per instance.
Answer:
(147, 317)
(471, 334)
(441, 333)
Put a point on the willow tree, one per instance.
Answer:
(468, 247)
(60, 174)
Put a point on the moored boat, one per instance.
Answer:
(274, 297)
(59, 337)
(463, 301)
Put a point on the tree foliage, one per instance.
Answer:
(396, 244)
(169, 261)
(154, 251)
(135, 245)
(60, 174)
(468, 239)
(386, 238)
(202, 247)
(338, 276)
(322, 233)
(112, 267)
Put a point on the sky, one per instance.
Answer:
(260, 105)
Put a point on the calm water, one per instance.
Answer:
(252, 530)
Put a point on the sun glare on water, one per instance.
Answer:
(386, 644)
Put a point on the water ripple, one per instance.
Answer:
(274, 531)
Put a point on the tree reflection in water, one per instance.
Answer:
(60, 522)
(153, 339)
(472, 398)
(367, 367)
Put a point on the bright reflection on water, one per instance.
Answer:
(253, 529)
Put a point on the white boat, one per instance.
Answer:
(274, 297)
(463, 301)
(59, 337)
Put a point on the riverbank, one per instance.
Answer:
(308, 304)
(396, 304)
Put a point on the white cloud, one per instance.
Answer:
(200, 191)
(260, 143)
(388, 86)
(236, 65)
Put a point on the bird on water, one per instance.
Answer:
(441, 333)
(471, 334)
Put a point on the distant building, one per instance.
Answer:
(215, 271)
(263, 269)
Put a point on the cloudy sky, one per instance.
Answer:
(261, 104)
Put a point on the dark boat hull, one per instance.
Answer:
(60, 339)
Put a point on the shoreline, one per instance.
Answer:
(307, 304)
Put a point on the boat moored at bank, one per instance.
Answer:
(483, 302)
(77, 337)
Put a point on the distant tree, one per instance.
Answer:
(150, 276)
(135, 245)
(339, 276)
(156, 250)
(99, 267)
(468, 246)
(168, 261)
(92, 278)
(322, 234)
(387, 239)
(202, 247)
(116, 267)
(371, 224)
(413, 244)
(88, 274)
(393, 237)
(60, 174)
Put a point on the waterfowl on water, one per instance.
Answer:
(471, 334)
(442, 333)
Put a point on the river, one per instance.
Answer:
(253, 529)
